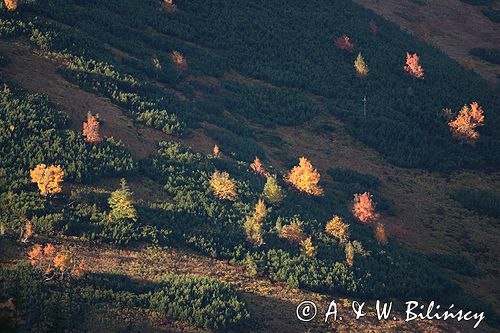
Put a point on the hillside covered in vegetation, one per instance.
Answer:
(240, 77)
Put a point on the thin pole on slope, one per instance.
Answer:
(364, 105)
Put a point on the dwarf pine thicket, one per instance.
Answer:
(215, 203)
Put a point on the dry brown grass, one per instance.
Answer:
(272, 304)
(39, 74)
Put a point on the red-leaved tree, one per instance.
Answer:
(413, 66)
(91, 130)
(343, 43)
(363, 208)
(259, 168)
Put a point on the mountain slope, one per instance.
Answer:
(277, 109)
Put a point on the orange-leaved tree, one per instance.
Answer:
(171, 7)
(223, 186)
(293, 232)
(305, 177)
(413, 66)
(343, 43)
(52, 263)
(464, 126)
(363, 208)
(48, 178)
(216, 151)
(360, 66)
(380, 235)
(11, 4)
(259, 168)
(253, 224)
(178, 59)
(338, 229)
(91, 130)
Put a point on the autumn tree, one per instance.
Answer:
(360, 66)
(363, 208)
(121, 203)
(223, 186)
(11, 4)
(91, 130)
(305, 178)
(51, 263)
(307, 247)
(48, 178)
(373, 26)
(293, 232)
(380, 235)
(26, 231)
(171, 7)
(349, 254)
(253, 224)
(343, 43)
(273, 193)
(464, 126)
(413, 66)
(178, 59)
(338, 229)
(447, 113)
(216, 151)
(259, 168)
(155, 61)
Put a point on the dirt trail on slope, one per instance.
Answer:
(451, 25)
(38, 74)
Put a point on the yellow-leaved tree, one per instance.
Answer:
(338, 229)
(253, 224)
(360, 66)
(48, 178)
(305, 178)
(223, 186)
(307, 247)
(349, 254)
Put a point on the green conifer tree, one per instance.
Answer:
(121, 203)
(273, 193)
